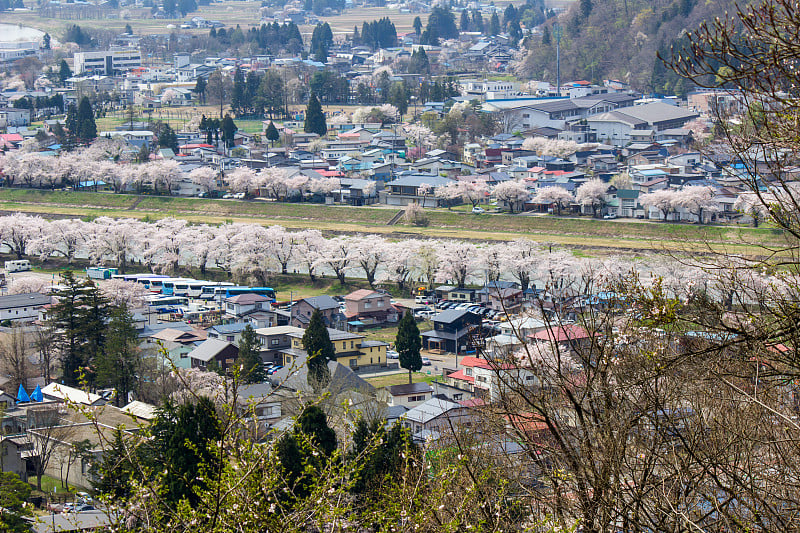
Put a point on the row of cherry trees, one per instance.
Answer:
(254, 253)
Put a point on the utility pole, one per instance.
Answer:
(557, 35)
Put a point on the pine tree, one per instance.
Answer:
(116, 468)
(229, 130)
(87, 129)
(408, 344)
(313, 423)
(494, 24)
(272, 134)
(238, 97)
(249, 361)
(200, 89)
(417, 25)
(585, 8)
(317, 344)
(79, 315)
(64, 71)
(119, 364)
(315, 118)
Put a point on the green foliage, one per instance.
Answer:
(313, 423)
(272, 134)
(75, 35)
(418, 64)
(379, 453)
(315, 118)
(116, 470)
(378, 34)
(166, 136)
(229, 130)
(80, 315)
(118, 365)
(13, 493)
(317, 344)
(417, 25)
(252, 368)
(408, 344)
(86, 127)
(64, 71)
(441, 25)
(321, 42)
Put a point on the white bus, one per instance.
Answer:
(20, 265)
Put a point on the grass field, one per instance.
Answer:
(582, 232)
(399, 379)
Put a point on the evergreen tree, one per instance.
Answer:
(87, 129)
(182, 447)
(515, 30)
(418, 64)
(315, 118)
(252, 367)
(119, 363)
(79, 314)
(239, 89)
(116, 469)
(317, 344)
(464, 23)
(313, 423)
(494, 24)
(585, 8)
(229, 130)
(200, 88)
(378, 452)
(64, 71)
(417, 25)
(546, 38)
(398, 97)
(408, 344)
(272, 134)
(71, 124)
(356, 36)
(46, 41)
(128, 29)
(13, 494)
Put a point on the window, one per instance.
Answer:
(367, 305)
(275, 342)
(416, 398)
(352, 344)
(380, 303)
(458, 396)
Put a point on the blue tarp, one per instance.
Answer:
(22, 396)
(36, 395)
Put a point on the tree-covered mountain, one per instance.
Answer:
(618, 39)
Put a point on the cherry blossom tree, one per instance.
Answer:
(519, 260)
(551, 147)
(199, 243)
(511, 193)
(400, 262)
(449, 194)
(665, 200)
(698, 199)
(751, 205)
(273, 181)
(163, 173)
(283, 246)
(426, 261)
(592, 194)
(370, 252)
(253, 254)
(18, 231)
(110, 173)
(243, 179)
(62, 237)
(309, 246)
(338, 255)
(223, 248)
(117, 241)
(118, 291)
(555, 196)
(114, 149)
(165, 243)
(299, 184)
(29, 285)
(324, 186)
(205, 177)
(460, 260)
(424, 190)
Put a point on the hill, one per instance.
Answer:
(619, 39)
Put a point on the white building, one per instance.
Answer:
(107, 62)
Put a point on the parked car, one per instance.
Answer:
(478, 210)
(426, 361)
(610, 216)
(392, 354)
(228, 196)
(239, 196)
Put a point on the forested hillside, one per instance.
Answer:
(618, 39)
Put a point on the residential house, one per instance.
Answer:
(222, 352)
(227, 332)
(507, 299)
(177, 343)
(276, 339)
(351, 349)
(366, 308)
(408, 395)
(454, 330)
(327, 306)
(436, 417)
(408, 189)
(243, 304)
(22, 307)
(637, 123)
(261, 404)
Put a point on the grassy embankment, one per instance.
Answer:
(575, 232)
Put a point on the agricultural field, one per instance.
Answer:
(583, 232)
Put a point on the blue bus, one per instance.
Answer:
(267, 292)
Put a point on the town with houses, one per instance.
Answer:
(394, 136)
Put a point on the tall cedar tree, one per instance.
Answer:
(249, 361)
(379, 453)
(272, 134)
(229, 130)
(239, 90)
(408, 343)
(87, 129)
(182, 446)
(116, 470)
(417, 25)
(317, 344)
(64, 71)
(13, 494)
(119, 364)
(315, 118)
(79, 315)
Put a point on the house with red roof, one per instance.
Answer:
(365, 307)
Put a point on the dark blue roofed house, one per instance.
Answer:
(405, 190)
(454, 330)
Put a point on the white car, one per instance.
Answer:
(227, 196)
(478, 210)
(392, 354)
(426, 361)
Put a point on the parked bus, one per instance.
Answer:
(100, 272)
(168, 285)
(206, 290)
(144, 279)
(20, 265)
(263, 291)
(168, 304)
